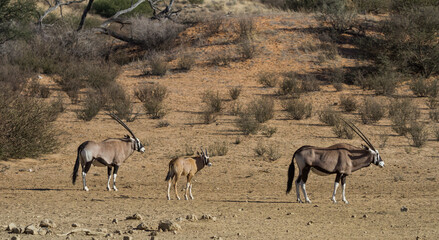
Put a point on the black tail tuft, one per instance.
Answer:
(290, 175)
(76, 167)
(170, 173)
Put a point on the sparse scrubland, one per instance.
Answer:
(251, 81)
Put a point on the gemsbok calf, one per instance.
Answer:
(341, 159)
(111, 153)
(186, 167)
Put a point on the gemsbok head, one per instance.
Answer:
(110, 153)
(186, 167)
(341, 159)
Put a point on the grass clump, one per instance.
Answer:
(152, 97)
(268, 79)
(418, 134)
(402, 112)
(298, 109)
(247, 123)
(218, 149)
(234, 92)
(329, 116)
(348, 103)
(262, 108)
(371, 111)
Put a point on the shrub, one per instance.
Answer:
(298, 109)
(209, 116)
(402, 113)
(432, 102)
(422, 88)
(152, 97)
(162, 124)
(436, 133)
(213, 101)
(371, 111)
(260, 149)
(26, 128)
(290, 85)
(348, 103)
(234, 92)
(342, 130)
(329, 117)
(310, 84)
(270, 152)
(185, 62)
(12, 77)
(434, 115)
(35, 89)
(246, 27)
(218, 149)
(262, 109)
(247, 123)
(221, 59)
(418, 134)
(339, 16)
(93, 103)
(118, 102)
(158, 65)
(213, 25)
(14, 16)
(373, 6)
(247, 49)
(268, 79)
(268, 131)
(196, 1)
(385, 83)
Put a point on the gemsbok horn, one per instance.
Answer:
(111, 153)
(341, 159)
(186, 167)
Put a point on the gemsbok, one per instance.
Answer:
(186, 167)
(341, 159)
(111, 153)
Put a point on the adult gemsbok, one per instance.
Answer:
(341, 159)
(111, 153)
(186, 167)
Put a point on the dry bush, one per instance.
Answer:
(338, 86)
(162, 124)
(290, 85)
(298, 109)
(152, 97)
(371, 111)
(434, 115)
(118, 102)
(157, 63)
(218, 149)
(385, 83)
(329, 116)
(348, 103)
(209, 116)
(436, 133)
(26, 128)
(213, 101)
(93, 103)
(246, 27)
(154, 35)
(35, 89)
(262, 108)
(402, 112)
(247, 123)
(342, 130)
(234, 92)
(423, 88)
(12, 77)
(432, 102)
(268, 152)
(213, 25)
(310, 84)
(418, 134)
(221, 59)
(268, 131)
(247, 49)
(268, 79)
(186, 62)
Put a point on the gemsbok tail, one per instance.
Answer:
(76, 167)
(290, 175)
(170, 172)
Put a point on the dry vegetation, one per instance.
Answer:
(250, 83)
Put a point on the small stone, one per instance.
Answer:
(175, 232)
(239, 234)
(404, 209)
(31, 229)
(47, 223)
(135, 217)
(180, 219)
(288, 213)
(310, 223)
(102, 230)
(43, 231)
(127, 238)
(144, 226)
(365, 216)
(208, 217)
(11, 226)
(192, 218)
(115, 221)
(75, 225)
(118, 232)
(109, 235)
(17, 230)
(268, 218)
(15, 238)
(167, 225)
(353, 216)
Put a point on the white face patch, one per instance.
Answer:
(381, 164)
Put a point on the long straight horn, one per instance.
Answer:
(359, 133)
(122, 123)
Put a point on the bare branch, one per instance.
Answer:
(84, 14)
(53, 8)
(115, 16)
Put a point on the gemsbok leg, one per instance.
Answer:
(84, 173)
(336, 183)
(343, 185)
(305, 173)
(188, 187)
(116, 168)
(175, 185)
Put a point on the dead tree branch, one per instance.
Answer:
(53, 8)
(115, 16)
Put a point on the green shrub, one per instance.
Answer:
(371, 111)
(373, 6)
(262, 108)
(26, 128)
(298, 109)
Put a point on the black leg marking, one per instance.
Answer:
(116, 168)
(87, 167)
(305, 173)
(337, 178)
(109, 171)
(343, 179)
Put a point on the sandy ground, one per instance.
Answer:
(245, 193)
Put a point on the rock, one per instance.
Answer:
(192, 218)
(145, 227)
(11, 226)
(353, 216)
(365, 216)
(31, 229)
(75, 225)
(43, 231)
(153, 233)
(180, 219)
(109, 235)
(167, 225)
(115, 221)
(310, 223)
(208, 217)
(127, 238)
(15, 238)
(118, 232)
(102, 230)
(404, 209)
(47, 223)
(17, 230)
(135, 217)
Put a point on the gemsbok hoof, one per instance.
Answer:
(115, 189)
(86, 189)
